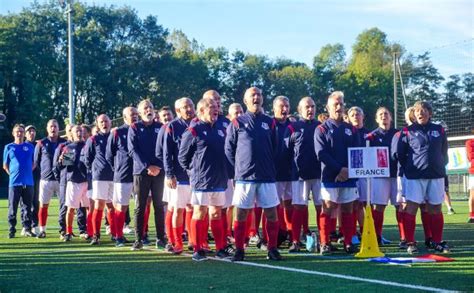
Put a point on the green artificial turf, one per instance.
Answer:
(50, 265)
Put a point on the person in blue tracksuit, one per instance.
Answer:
(30, 136)
(307, 169)
(423, 153)
(331, 142)
(251, 145)
(148, 172)
(177, 179)
(19, 165)
(202, 151)
(118, 157)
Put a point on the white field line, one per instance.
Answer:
(281, 268)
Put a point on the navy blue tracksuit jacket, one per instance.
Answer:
(202, 150)
(94, 157)
(172, 142)
(117, 155)
(141, 143)
(43, 158)
(251, 146)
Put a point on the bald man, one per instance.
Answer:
(250, 147)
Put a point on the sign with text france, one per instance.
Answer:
(368, 162)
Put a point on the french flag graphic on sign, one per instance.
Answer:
(382, 158)
(357, 159)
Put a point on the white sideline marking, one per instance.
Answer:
(352, 278)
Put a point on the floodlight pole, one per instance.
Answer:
(70, 30)
(395, 104)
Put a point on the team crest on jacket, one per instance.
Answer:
(220, 132)
(225, 124)
(246, 125)
(25, 148)
(435, 133)
(124, 136)
(265, 126)
(348, 131)
(205, 132)
(302, 130)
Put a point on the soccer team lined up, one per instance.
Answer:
(204, 170)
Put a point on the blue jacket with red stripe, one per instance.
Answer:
(94, 157)
(202, 151)
(331, 141)
(117, 155)
(284, 167)
(300, 145)
(423, 151)
(159, 142)
(171, 144)
(382, 138)
(43, 158)
(141, 142)
(250, 146)
(60, 173)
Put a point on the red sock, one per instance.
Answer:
(178, 239)
(318, 217)
(437, 223)
(347, 227)
(204, 230)
(264, 228)
(97, 220)
(169, 226)
(146, 217)
(196, 226)
(355, 215)
(217, 227)
(471, 215)
(239, 234)
(42, 216)
(426, 221)
(288, 217)
(401, 229)
(305, 221)
(111, 219)
(296, 223)
(258, 218)
(409, 223)
(89, 225)
(68, 229)
(187, 223)
(326, 227)
(378, 221)
(281, 216)
(272, 234)
(119, 222)
(249, 230)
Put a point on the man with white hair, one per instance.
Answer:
(331, 141)
(177, 178)
(147, 172)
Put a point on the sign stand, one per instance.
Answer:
(369, 246)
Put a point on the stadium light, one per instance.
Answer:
(70, 28)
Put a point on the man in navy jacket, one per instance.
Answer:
(202, 150)
(147, 172)
(331, 141)
(250, 146)
(423, 153)
(177, 179)
(49, 183)
(306, 167)
(122, 165)
(102, 176)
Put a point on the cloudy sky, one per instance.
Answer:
(298, 29)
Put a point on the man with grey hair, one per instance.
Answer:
(177, 179)
(331, 141)
(147, 172)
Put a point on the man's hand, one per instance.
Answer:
(343, 175)
(171, 182)
(153, 170)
